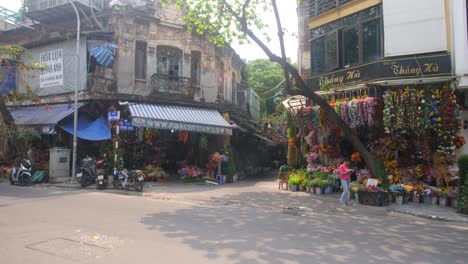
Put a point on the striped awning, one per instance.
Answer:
(179, 118)
(42, 117)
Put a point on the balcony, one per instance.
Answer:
(52, 10)
(161, 83)
(318, 7)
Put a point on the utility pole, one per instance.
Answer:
(75, 113)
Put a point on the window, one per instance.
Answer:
(347, 41)
(169, 61)
(371, 40)
(140, 60)
(318, 7)
(350, 46)
(195, 68)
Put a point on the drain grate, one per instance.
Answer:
(67, 248)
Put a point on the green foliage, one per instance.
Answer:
(294, 180)
(463, 187)
(18, 140)
(230, 167)
(264, 75)
(215, 19)
(284, 168)
(315, 182)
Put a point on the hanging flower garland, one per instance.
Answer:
(400, 112)
(345, 112)
(446, 119)
(388, 113)
(353, 112)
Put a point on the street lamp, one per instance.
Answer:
(75, 113)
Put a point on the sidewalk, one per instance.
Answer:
(433, 212)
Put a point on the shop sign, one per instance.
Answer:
(398, 68)
(113, 116)
(372, 182)
(169, 125)
(53, 74)
(126, 126)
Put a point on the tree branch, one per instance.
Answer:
(281, 40)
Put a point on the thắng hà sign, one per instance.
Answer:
(404, 67)
(53, 74)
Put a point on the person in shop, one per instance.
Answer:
(345, 175)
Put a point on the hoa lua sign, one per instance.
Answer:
(53, 74)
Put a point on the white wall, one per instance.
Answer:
(414, 26)
(460, 41)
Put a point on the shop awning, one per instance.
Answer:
(412, 81)
(42, 117)
(89, 130)
(179, 118)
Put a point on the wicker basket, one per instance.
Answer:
(374, 198)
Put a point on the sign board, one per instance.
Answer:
(388, 69)
(53, 74)
(372, 182)
(126, 126)
(113, 116)
(168, 125)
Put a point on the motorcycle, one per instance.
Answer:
(88, 173)
(22, 175)
(101, 179)
(125, 180)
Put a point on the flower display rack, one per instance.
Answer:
(374, 198)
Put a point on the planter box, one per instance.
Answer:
(443, 201)
(318, 190)
(374, 199)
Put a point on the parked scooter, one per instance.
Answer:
(87, 174)
(22, 175)
(101, 178)
(125, 180)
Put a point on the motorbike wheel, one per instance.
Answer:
(24, 179)
(138, 185)
(84, 180)
(117, 184)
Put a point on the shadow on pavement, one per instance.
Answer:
(257, 227)
(7, 190)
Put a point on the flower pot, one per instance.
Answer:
(312, 189)
(399, 200)
(356, 197)
(318, 190)
(301, 188)
(416, 198)
(294, 187)
(443, 201)
(427, 200)
(454, 203)
(434, 200)
(328, 190)
(162, 180)
(405, 199)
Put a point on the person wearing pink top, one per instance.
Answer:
(345, 176)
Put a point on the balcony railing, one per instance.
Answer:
(162, 83)
(318, 7)
(36, 5)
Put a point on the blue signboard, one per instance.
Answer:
(113, 116)
(126, 126)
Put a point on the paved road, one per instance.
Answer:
(250, 222)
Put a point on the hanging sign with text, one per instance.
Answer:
(53, 74)
(388, 69)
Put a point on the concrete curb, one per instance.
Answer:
(430, 217)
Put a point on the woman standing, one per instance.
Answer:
(345, 176)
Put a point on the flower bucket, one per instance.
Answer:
(405, 199)
(443, 201)
(312, 189)
(454, 203)
(434, 200)
(416, 198)
(301, 188)
(318, 190)
(399, 200)
(427, 200)
(356, 197)
(328, 190)
(294, 187)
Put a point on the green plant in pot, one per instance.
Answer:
(305, 185)
(294, 182)
(314, 183)
(321, 185)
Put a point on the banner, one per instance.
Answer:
(53, 74)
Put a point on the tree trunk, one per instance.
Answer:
(6, 115)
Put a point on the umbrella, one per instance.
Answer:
(104, 54)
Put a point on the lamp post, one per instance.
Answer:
(75, 113)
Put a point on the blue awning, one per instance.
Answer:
(42, 117)
(89, 130)
(104, 54)
(179, 118)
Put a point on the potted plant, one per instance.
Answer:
(329, 185)
(293, 182)
(443, 198)
(305, 185)
(321, 185)
(399, 191)
(427, 194)
(314, 184)
(416, 196)
(354, 187)
(301, 183)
